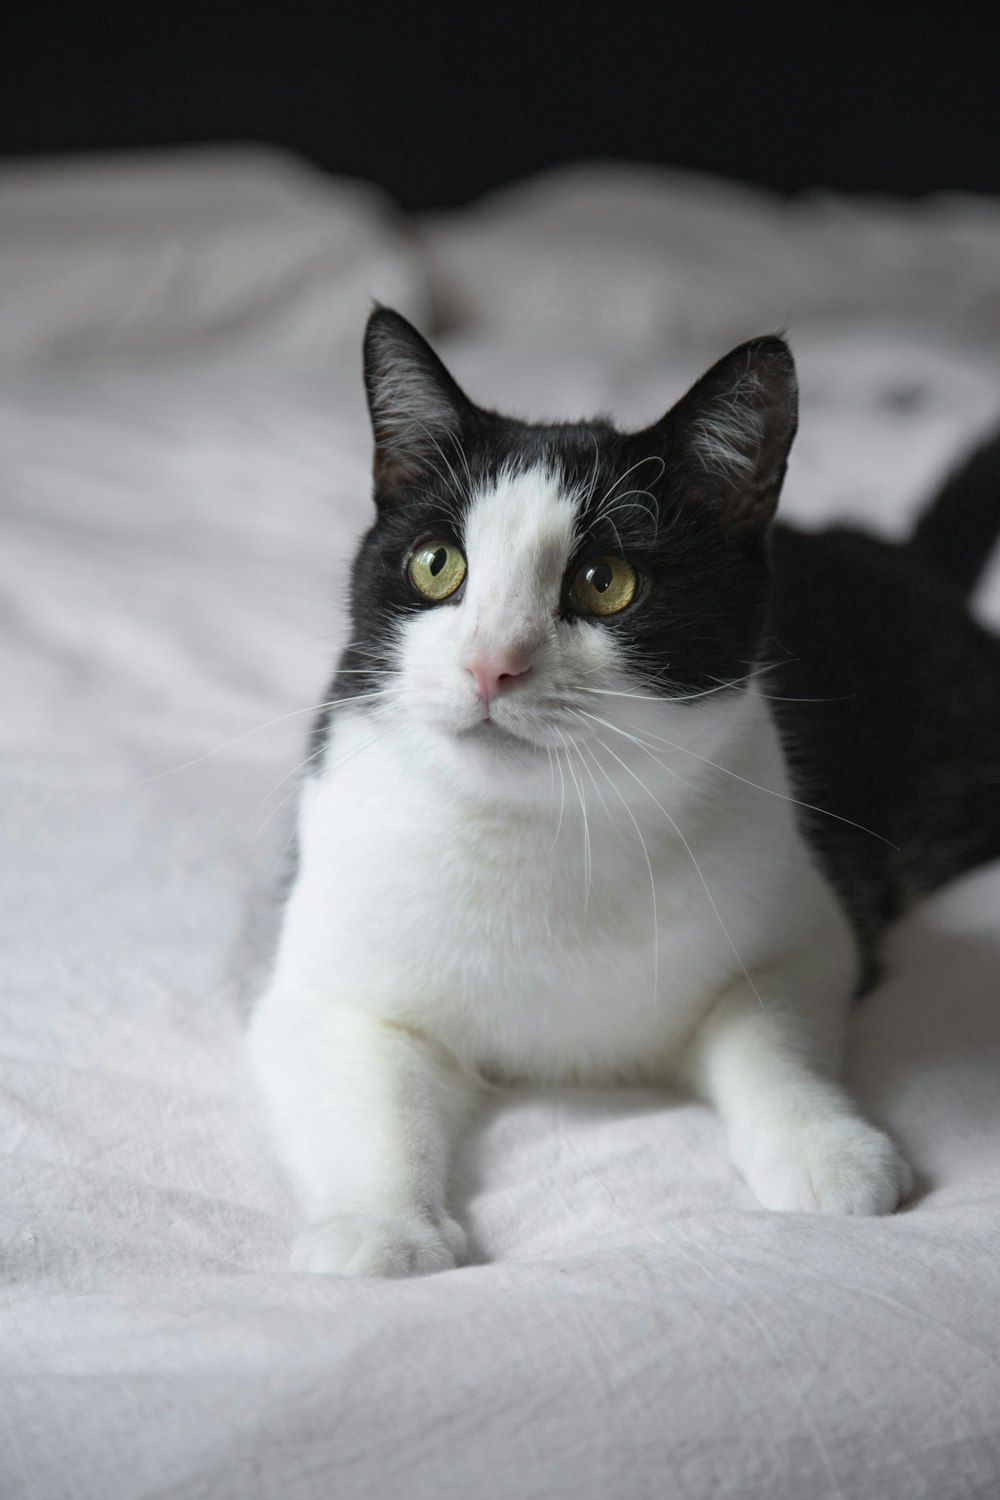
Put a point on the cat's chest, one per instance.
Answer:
(529, 941)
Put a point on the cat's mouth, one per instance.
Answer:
(494, 736)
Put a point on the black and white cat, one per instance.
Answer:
(616, 781)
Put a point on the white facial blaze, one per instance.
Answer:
(519, 537)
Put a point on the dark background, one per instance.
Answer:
(439, 102)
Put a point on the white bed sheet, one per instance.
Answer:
(175, 537)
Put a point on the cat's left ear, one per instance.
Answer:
(417, 409)
(728, 438)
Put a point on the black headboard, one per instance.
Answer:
(440, 101)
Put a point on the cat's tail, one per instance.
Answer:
(958, 529)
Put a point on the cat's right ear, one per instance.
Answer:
(417, 410)
(728, 438)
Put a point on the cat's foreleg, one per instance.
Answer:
(364, 1115)
(794, 1132)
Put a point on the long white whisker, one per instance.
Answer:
(456, 482)
(288, 795)
(465, 460)
(597, 462)
(597, 789)
(707, 692)
(687, 846)
(620, 504)
(279, 784)
(649, 867)
(678, 697)
(782, 796)
(311, 708)
(331, 765)
(649, 459)
(449, 505)
(562, 801)
(334, 765)
(783, 698)
(586, 825)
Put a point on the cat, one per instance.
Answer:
(616, 781)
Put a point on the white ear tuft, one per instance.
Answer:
(417, 409)
(733, 429)
(729, 434)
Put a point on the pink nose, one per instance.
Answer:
(497, 671)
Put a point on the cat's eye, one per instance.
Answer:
(604, 585)
(436, 569)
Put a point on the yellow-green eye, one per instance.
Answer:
(604, 585)
(436, 569)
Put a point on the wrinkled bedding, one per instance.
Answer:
(183, 469)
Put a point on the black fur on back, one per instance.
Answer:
(887, 694)
(956, 532)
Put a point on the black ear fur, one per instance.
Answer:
(730, 435)
(417, 409)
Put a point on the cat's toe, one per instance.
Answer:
(363, 1245)
(839, 1167)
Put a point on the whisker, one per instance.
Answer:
(701, 877)
(586, 824)
(562, 801)
(597, 463)
(782, 698)
(782, 796)
(684, 697)
(449, 507)
(649, 867)
(650, 458)
(257, 728)
(597, 789)
(460, 450)
(275, 810)
(457, 491)
(332, 766)
(620, 504)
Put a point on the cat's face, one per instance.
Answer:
(526, 588)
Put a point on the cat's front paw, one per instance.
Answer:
(834, 1167)
(363, 1245)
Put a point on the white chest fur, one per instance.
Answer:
(581, 933)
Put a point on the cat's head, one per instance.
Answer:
(521, 579)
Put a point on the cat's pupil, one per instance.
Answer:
(438, 561)
(600, 577)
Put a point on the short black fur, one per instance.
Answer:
(903, 733)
